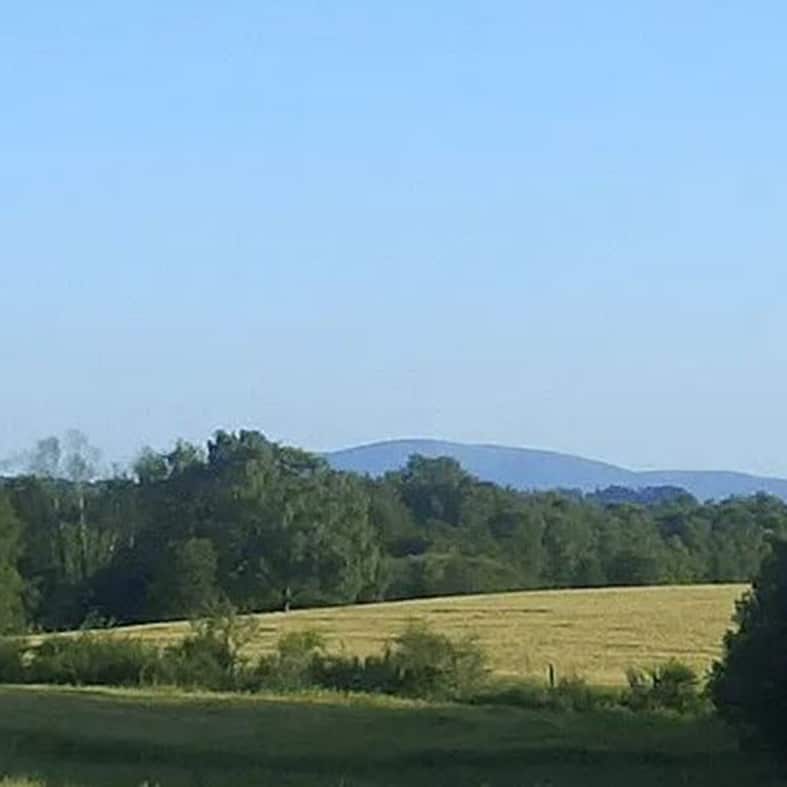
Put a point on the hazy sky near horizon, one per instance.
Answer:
(559, 225)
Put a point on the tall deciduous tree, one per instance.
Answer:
(300, 531)
(12, 617)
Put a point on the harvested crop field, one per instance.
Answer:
(596, 634)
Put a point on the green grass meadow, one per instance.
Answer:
(87, 738)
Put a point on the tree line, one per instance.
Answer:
(266, 526)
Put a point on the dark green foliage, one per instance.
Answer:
(570, 694)
(97, 739)
(749, 686)
(418, 663)
(185, 581)
(285, 527)
(449, 574)
(426, 663)
(672, 686)
(298, 663)
(93, 660)
(372, 675)
(644, 496)
(11, 660)
(210, 658)
(201, 661)
(574, 693)
(12, 615)
(267, 526)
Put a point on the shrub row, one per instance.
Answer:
(418, 663)
(672, 687)
(569, 694)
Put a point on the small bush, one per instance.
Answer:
(11, 661)
(424, 663)
(418, 663)
(677, 687)
(211, 657)
(199, 662)
(89, 659)
(672, 686)
(573, 693)
(298, 662)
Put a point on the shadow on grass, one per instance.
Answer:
(102, 740)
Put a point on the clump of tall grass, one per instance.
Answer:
(672, 686)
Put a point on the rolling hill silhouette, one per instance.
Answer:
(526, 468)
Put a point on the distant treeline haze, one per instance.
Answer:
(267, 526)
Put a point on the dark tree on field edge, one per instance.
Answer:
(749, 686)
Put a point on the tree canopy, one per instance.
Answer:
(267, 526)
(749, 685)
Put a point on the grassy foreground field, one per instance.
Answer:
(596, 634)
(110, 738)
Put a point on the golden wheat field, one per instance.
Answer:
(596, 634)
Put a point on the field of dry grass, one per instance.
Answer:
(596, 634)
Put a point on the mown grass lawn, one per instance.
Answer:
(88, 738)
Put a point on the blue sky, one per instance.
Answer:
(557, 225)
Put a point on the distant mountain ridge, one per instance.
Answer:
(527, 468)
